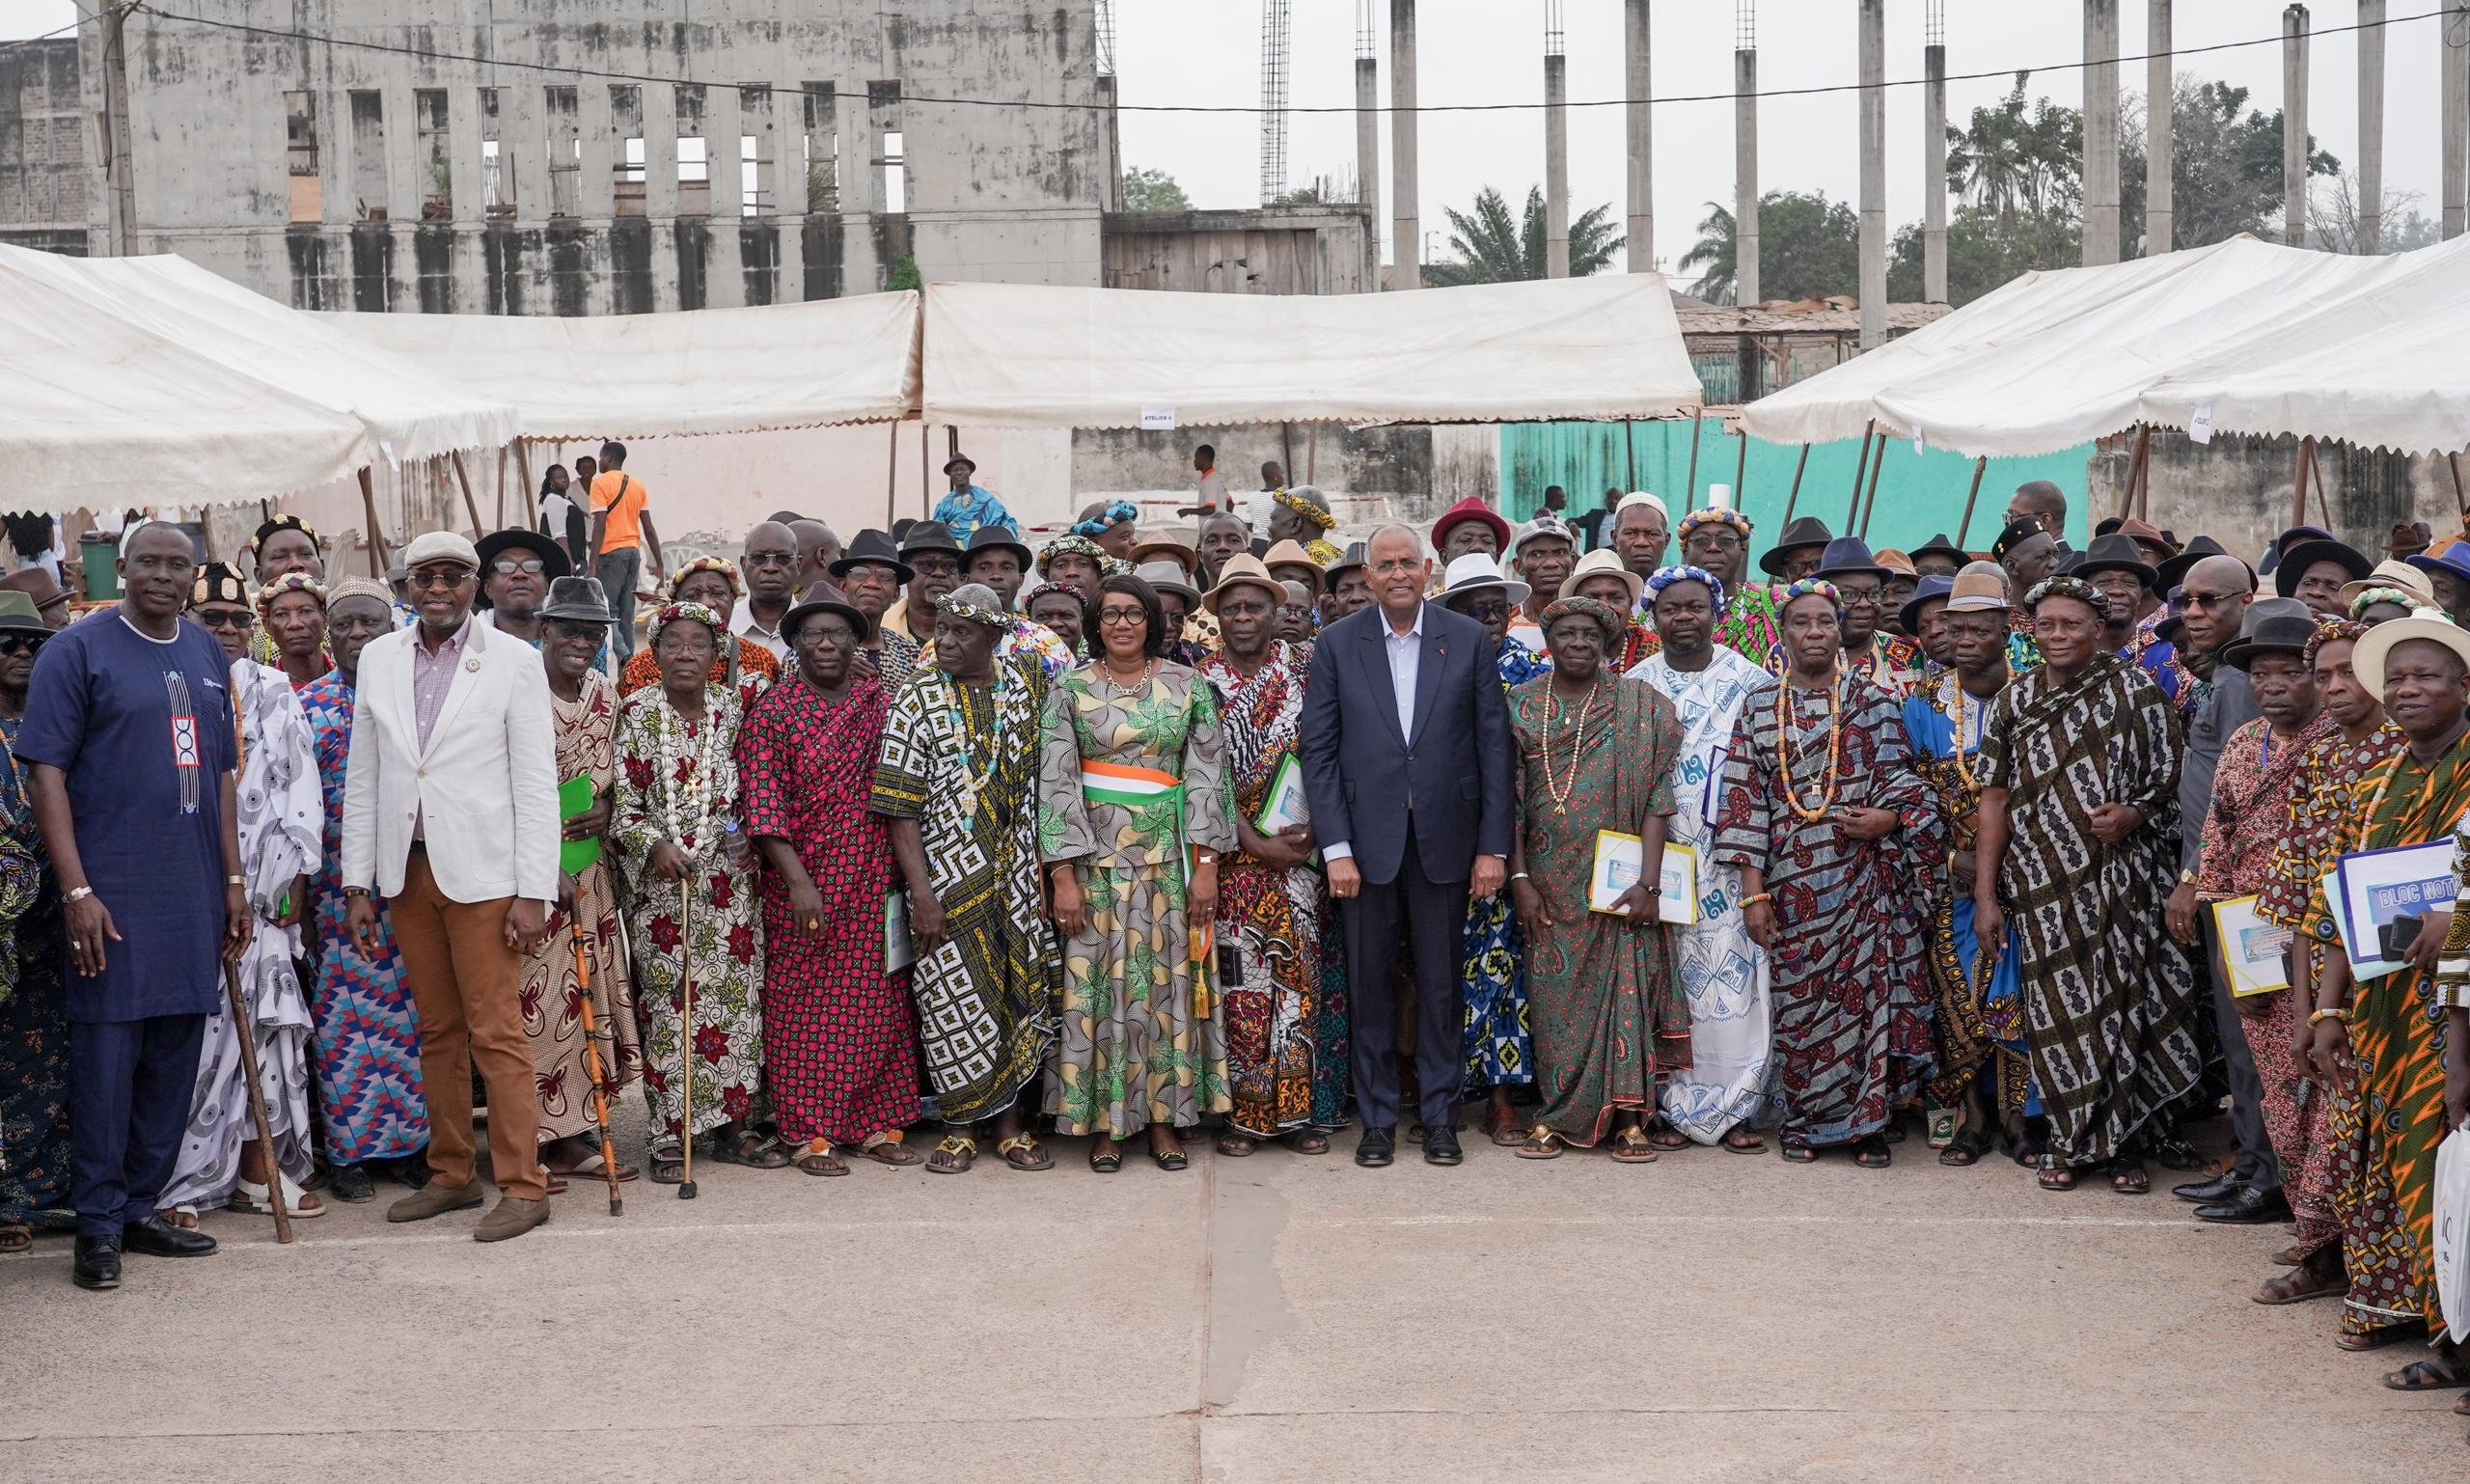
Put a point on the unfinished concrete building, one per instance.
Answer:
(609, 157)
(42, 152)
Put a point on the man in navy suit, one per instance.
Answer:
(1407, 769)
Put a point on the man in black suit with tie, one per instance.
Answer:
(1408, 771)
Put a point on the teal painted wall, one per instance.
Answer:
(1919, 494)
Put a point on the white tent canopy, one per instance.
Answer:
(2058, 358)
(713, 370)
(1012, 355)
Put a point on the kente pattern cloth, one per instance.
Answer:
(282, 839)
(552, 989)
(2397, 1024)
(754, 669)
(33, 1023)
(1751, 628)
(1852, 1005)
(1141, 1041)
(1610, 1022)
(1491, 970)
(1286, 1042)
(1723, 973)
(2324, 801)
(1894, 665)
(1641, 645)
(706, 922)
(962, 761)
(2107, 1013)
(1979, 1023)
(368, 1029)
(840, 1050)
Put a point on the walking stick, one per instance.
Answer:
(257, 1100)
(599, 1076)
(686, 1039)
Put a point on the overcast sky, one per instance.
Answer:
(1208, 52)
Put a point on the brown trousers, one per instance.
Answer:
(466, 982)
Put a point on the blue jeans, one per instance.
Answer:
(617, 571)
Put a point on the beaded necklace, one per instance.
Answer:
(1822, 801)
(973, 770)
(686, 805)
(1956, 717)
(1560, 792)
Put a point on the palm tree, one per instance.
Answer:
(1715, 253)
(1494, 249)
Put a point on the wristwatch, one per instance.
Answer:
(78, 895)
(2186, 878)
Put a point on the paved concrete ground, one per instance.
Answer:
(1711, 1316)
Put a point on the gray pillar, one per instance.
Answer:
(1406, 231)
(1933, 173)
(2453, 61)
(1638, 85)
(2101, 131)
(2370, 126)
(1746, 284)
(1367, 155)
(1874, 174)
(1110, 158)
(2159, 226)
(2293, 125)
(1557, 165)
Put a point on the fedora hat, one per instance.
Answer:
(2154, 540)
(1942, 545)
(2379, 642)
(1179, 544)
(1808, 531)
(1169, 577)
(956, 461)
(1979, 587)
(1473, 507)
(929, 535)
(2274, 625)
(1475, 572)
(578, 600)
(1603, 561)
(1846, 554)
(2388, 573)
(824, 597)
(1543, 526)
(870, 548)
(18, 615)
(1245, 570)
(1933, 589)
(992, 538)
(2119, 552)
(2296, 560)
(36, 583)
(1355, 560)
(2173, 573)
(1291, 553)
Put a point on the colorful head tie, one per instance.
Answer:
(721, 564)
(1607, 617)
(290, 582)
(1665, 577)
(1108, 519)
(2330, 630)
(2074, 588)
(688, 613)
(1807, 587)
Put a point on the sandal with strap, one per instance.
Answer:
(1965, 1148)
(754, 1150)
(1795, 1150)
(1024, 1144)
(16, 1237)
(1663, 1135)
(1106, 1161)
(668, 1166)
(2054, 1174)
(953, 1156)
(891, 1152)
(1308, 1142)
(251, 1198)
(1542, 1143)
(1237, 1145)
(1870, 1151)
(1633, 1146)
(2443, 1374)
(2128, 1177)
(819, 1158)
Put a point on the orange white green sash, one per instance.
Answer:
(1146, 788)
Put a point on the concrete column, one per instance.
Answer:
(1639, 84)
(335, 184)
(2101, 131)
(1745, 285)
(1367, 156)
(724, 153)
(596, 166)
(523, 145)
(2293, 125)
(1406, 228)
(2453, 61)
(788, 159)
(2370, 126)
(465, 195)
(2158, 219)
(1557, 165)
(1109, 156)
(1933, 173)
(660, 153)
(1874, 174)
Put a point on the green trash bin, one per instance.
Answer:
(100, 555)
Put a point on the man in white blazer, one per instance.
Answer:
(451, 815)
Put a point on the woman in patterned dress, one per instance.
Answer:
(1131, 818)
(368, 1031)
(293, 608)
(1286, 1042)
(690, 882)
(33, 996)
(739, 665)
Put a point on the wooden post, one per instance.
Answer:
(892, 474)
(1860, 471)
(2144, 485)
(531, 491)
(2453, 462)
(2299, 491)
(1878, 466)
(379, 560)
(925, 482)
(1979, 466)
(1794, 498)
(1740, 468)
(501, 483)
(471, 506)
(1689, 496)
(1312, 455)
(1630, 439)
(2135, 471)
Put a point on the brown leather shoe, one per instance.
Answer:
(436, 1200)
(511, 1217)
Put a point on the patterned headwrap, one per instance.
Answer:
(1295, 504)
(1072, 546)
(721, 564)
(688, 613)
(1707, 517)
(2074, 588)
(360, 587)
(978, 603)
(281, 523)
(2330, 630)
(217, 582)
(1615, 626)
(1108, 519)
(1666, 576)
(2374, 595)
(290, 582)
(1807, 587)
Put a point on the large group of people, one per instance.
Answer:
(932, 847)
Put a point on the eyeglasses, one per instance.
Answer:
(445, 579)
(507, 566)
(21, 644)
(771, 559)
(226, 617)
(2211, 599)
(1396, 565)
(1123, 618)
(935, 564)
(1857, 596)
(1486, 610)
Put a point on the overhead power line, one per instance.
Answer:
(278, 33)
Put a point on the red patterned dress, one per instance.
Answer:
(839, 1039)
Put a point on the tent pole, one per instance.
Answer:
(1980, 467)
(1689, 496)
(892, 474)
(2144, 487)
(530, 491)
(1629, 440)
(379, 560)
(925, 485)
(1312, 455)
(2298, 492)
(1860, 471)
(2323, 505)
(2453, 462)
(501, 483)
(1877, 467)
(2135, 470)
(1794, 498)
(471, 506)
(1740, 468)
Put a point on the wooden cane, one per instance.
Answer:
(599, 1074)
(686, 1039)
(241, 1023)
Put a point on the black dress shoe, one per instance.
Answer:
(97, 1263)
(1376, 1149)
(156, 1237)
(2220, 1187)
(2247, 1206)
(352, 1183)
(1440, 1147)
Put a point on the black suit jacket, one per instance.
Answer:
(1366, 782)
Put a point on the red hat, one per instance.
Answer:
(1471, 509)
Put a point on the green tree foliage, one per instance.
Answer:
(1153, 190)
(2225, 170)
(1808, 246)
(904, 274)
(1491, 248)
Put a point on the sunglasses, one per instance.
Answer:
(507, 566)
(21, 644)
(226, 617)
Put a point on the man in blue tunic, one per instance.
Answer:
(128, 734)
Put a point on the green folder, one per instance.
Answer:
(574, 797)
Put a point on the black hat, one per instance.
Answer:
(2274, 625)
(1354, 558)
(1808, 531)
(870, 548)
(929, 535)
(2174, 572)
(2071, 561)
(2015, 535)
(991, 538)
(949, 465)
(2296, 560)
(554, 560)
(824, 597)
(1941, 545)
(1846, 554)
(2118, 553)
(219, 581)
(578, 600)
(1933, 589)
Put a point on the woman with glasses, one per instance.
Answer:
(34, 997)
(1133, 818)
(739, 665)
(282, 822)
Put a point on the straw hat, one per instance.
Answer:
(1245, 570)
(1603, 561)
(2377, 647)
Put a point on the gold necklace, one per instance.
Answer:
(1559, 792)
(1824, 799)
